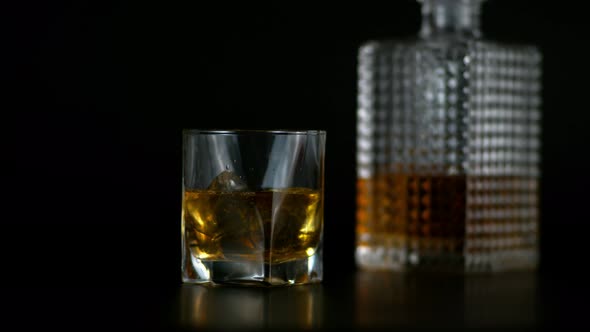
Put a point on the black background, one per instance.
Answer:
(95, 95)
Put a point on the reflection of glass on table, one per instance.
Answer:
(247, 308)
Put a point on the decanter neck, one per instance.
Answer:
(450, 18)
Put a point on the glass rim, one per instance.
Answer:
(252, 131)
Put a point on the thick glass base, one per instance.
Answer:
(253, 272)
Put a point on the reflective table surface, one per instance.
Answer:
(360, 300)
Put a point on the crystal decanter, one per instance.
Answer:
(448, 148)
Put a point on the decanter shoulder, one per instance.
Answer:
(373, 48)
(503, 52)
(375, 52)
(412, 48)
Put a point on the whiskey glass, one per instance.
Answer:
(252, 207)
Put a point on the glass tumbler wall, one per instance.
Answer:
(252, 209)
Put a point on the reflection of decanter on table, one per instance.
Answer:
(448, 148)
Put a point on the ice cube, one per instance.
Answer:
(240, 230)
(228, 181)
